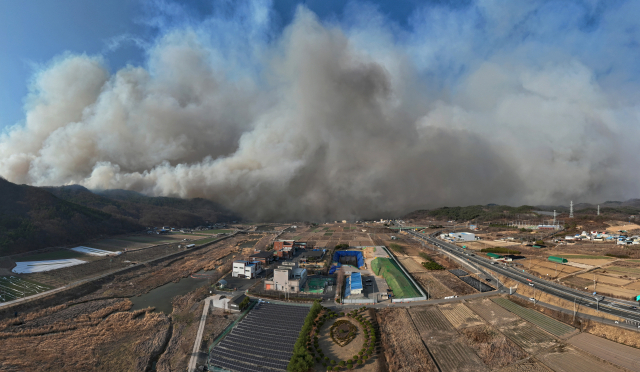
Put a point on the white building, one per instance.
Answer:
(246, 269)
(464, 236)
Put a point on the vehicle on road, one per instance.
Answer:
(532, 299)
(488, 279)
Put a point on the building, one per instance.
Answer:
(311, 256)
(246, 269)
(263, 256)
(284, 248)
(354, 285)
(494, 256)
(464, 236)
(289, 279)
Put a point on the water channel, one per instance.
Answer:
(160, 297)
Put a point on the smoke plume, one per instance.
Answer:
(518, 102)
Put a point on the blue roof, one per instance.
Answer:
(356, 281)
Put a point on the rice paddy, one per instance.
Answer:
(12, 288)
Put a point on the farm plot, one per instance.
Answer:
(528, 336)
(39, 266)
(430, 321)
(492, 313)
(622, 355)
(454, 283)
(411, 265)
(93, 251)
(493, 347)
(570, 360)
(460, 316)
(548, 324)
(60, 254)
(401, 342)
(12, 287)
(455, 356)
(432, 286)
(528, 365)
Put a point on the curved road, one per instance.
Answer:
(619, 308)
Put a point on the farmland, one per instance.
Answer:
(453, 282)
(528, 365)
(528, 336)
(613, 352)
(548, 324)
(429, 320)
(491, 312)
(402, 345)
(460, 316)
(432, 285)
(567, 359)
(493, 347)
(455, 356)
(12, 287)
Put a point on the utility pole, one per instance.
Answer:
(574, 310)
(594, 282)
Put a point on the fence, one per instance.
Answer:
(299, 296)
(360, 301)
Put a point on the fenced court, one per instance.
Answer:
(397, 281)
(12, 287)
(317, 285)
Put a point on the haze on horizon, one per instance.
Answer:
(350, 115)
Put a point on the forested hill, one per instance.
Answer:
(33, 218)
(145, 210)
(38, 217)
(483, 212)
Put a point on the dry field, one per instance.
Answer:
(453, 282)
(402, 345)
(600, 278)
(622, 355)
(550, 325)
(491, 312)
(528, 365)
(455, 355)
(98, 336)
(529, 337)
(431, 284)
(493, 347)
(411, 265)
(616, 226)
(566, 359)
(445, 344)
(460, 316)
(430, 321)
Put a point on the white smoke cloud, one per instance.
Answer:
(354, 119)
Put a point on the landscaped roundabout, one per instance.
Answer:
(341, 341)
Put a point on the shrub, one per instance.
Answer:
(301, 360)
(350, 366)
(333, 361)
(342, 363)
(350, 361)
(360, 362)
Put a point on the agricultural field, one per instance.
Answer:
(432, 285)
(60, 254)
(543, 267)
(430, 321)
(613, 352)
(460, 316)
(548, 324)
(12, 287)
(528, 365)
(453, 282)
(395, 278)
(527, 336)
(493, 347)
(570, 360)
(491, 312)
(402, 345)
(411, 265)
(455, 356)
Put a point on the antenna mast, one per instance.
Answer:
(571, 210)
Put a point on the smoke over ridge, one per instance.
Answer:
(530, 102)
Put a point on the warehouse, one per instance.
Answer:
(463, 236)
(354, 285)
(262, 256)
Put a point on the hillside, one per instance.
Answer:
(482, 212)
(33, 218)
(145, 210)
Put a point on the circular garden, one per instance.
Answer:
(342, 332)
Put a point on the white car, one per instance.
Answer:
(532, 299)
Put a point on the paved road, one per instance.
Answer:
(619, 308)
(198, 341)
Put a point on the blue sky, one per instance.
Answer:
(35, 31)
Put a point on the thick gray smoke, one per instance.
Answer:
(348, 119)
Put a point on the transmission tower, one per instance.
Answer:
(571, 210)
(554, 218)
(598, 209)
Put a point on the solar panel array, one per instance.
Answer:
(475, 283)
(458, 272)
(263, 341)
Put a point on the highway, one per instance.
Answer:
(619, 308)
